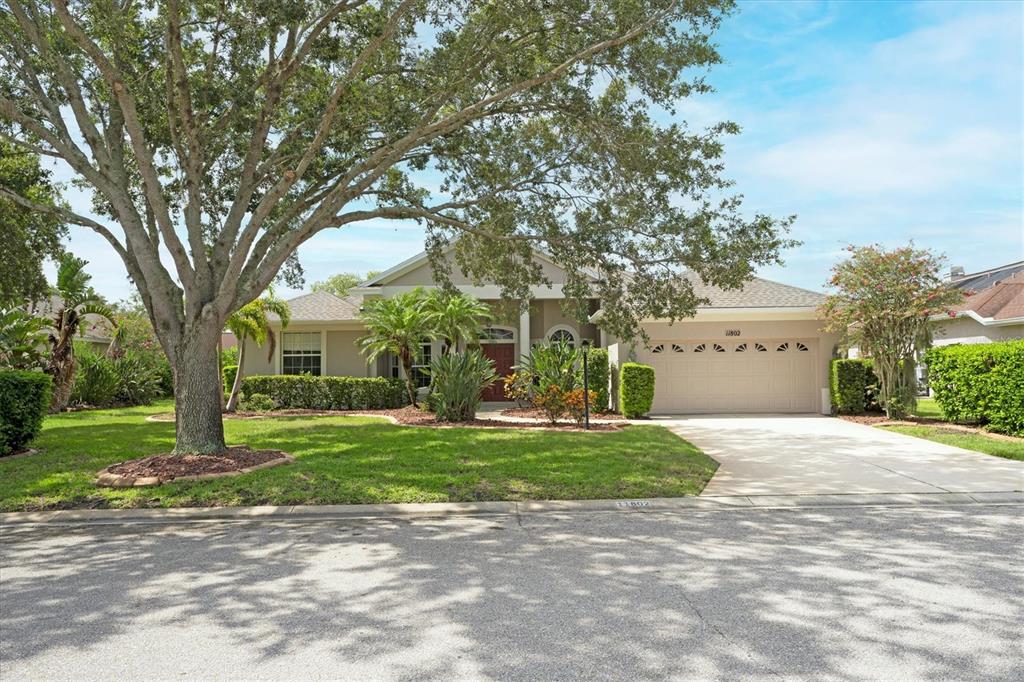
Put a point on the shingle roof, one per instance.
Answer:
(757, 293)
(1001, 301)
(96, 328)
(322, 306)
(979, 281)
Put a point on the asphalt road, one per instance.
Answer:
(824, 594)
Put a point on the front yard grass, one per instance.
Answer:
(349, 460)
(928, 408)
(968, 441)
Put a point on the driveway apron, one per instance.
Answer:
(812, 454)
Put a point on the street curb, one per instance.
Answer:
(469, 509)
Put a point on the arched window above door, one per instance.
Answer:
(562, 334)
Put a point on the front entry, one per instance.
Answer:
(503, 355)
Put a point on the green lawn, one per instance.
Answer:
(928, 407)
(968, 441)
(355, 460)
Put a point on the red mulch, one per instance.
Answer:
(534, 413)
(167, 466)
(412, 416)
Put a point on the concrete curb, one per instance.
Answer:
(458, 509)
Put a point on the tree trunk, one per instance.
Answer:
(410, 382)
(198, 394)
(236, 385)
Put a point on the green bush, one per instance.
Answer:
(636, 389)
(257, 402)
(304, 391)
(100, 381)
(456, 382)
(848, 386)
(24, 401)
(598, 373)
(229, 372)
(95, 383)
(551, 364)
(980, 382)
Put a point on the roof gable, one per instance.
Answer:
(322, 306)
(756, 293)
(1002, 301)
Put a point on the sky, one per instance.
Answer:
(872, 122)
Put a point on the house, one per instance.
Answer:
(759, 349)
(97, 332)
(992, 311)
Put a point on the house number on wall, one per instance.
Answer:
(732, 332)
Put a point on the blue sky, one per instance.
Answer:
(871, 121)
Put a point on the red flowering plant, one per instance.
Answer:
(881, 302)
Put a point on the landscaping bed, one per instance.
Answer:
(163, 468)
(413, 416)
(534, 413)
(348, 459)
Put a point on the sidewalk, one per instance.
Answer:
(450, 509)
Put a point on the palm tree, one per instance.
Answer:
(397, 325)
(251, 321)
(77, 300)
(21, 337)
(457, 318)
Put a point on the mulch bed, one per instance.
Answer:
(882, 420)
(411, 416)
(162, 468)
(534, 413)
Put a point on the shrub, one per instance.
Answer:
(95, 381)
(24, 401)
(848, 386)
(257, 402)
(636, 389)
(980, 382)
(303, 391)
(229, 372)
(598, 373)
(456, 381)
(553, 364)
(101, 381)
(519, 387)
(575, 406)
(551, 401)
(138, 382)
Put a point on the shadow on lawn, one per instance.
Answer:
(697, 596)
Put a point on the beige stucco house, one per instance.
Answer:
(759, 349)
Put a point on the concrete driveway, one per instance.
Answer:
(811, 454)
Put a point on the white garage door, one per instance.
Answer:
(764, 375)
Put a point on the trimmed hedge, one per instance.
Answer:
(229, 372)
(980, 382)
(24, 401)
(303, 391)
(598, 373)
(848, 384)
(636, 389)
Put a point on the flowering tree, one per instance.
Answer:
(882, 303)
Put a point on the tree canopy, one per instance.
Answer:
(340, 283)
(226, 135)
(29, 236)
(881, 302)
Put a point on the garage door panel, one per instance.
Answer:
(778, 379)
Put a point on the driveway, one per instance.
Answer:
(812, 454)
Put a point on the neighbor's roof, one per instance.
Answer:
(757, 293)
(1003, 300)
(96, 328)
(979, 281)
(322, 306)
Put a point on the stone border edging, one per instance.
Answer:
(457, 509)
(107, 479)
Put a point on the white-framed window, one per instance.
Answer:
(497, 335)
(421, 364)
(393, 366)
(300, 353)
(562, 333)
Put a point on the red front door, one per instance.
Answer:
(503, 355)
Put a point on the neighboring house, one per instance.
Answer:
(992, 311)
(97, 332)
(758, 349)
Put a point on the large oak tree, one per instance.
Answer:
(217, 137)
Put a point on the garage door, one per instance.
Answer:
(765, 375)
